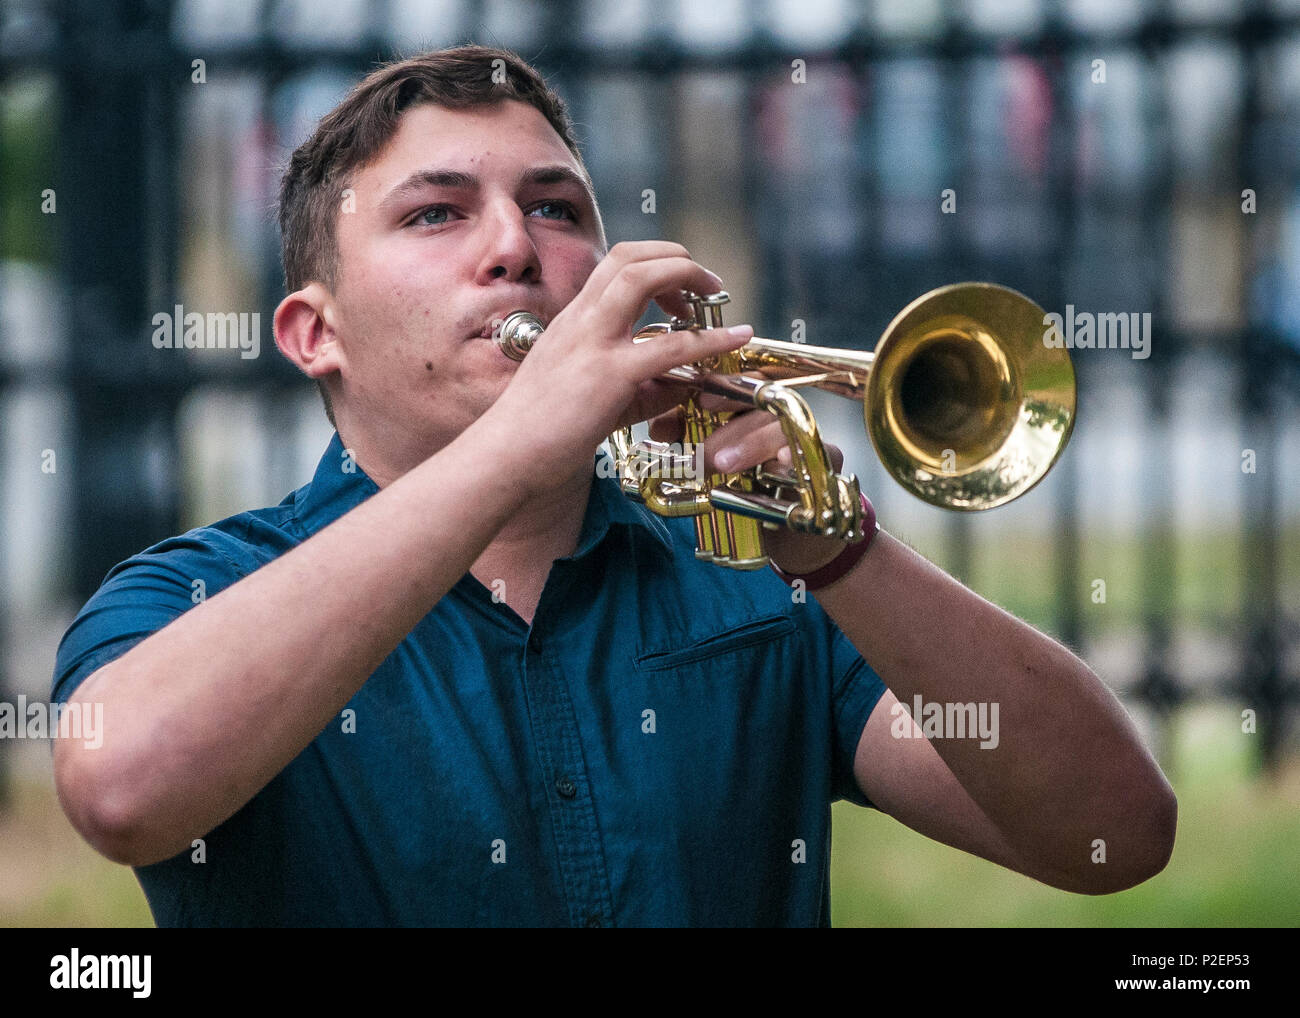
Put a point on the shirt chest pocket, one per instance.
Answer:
(751, 639)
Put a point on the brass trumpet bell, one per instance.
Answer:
(966, 405)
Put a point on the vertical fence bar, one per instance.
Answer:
(1260, 366)
(119, 228)
(1064, 189)
(124, 392)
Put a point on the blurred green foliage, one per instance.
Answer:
(28, 121)
(1235, 862)
(1210, 576)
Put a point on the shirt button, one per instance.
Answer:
(565, 786)
(593, 921)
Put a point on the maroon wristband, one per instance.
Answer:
(841, 563)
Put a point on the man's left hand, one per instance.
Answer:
(749, 438)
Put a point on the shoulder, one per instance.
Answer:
(237, 545)
(146, 591)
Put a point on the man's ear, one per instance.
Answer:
(305, 331)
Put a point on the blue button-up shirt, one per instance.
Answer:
(660, 746)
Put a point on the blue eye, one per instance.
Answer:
(435, 216)
(558, 210)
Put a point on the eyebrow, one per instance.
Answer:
(461, 181)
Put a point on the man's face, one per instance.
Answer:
(464, 217)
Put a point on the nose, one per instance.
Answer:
(508, 250)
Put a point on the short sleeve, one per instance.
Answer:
(139, 597)
(856, 692)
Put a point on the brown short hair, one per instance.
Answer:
(354, 133)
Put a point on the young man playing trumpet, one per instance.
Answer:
(458, 678)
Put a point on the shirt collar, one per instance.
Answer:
(340, 485)
(607, 506)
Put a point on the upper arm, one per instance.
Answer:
(906, 778)
(139, 597)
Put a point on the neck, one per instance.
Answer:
(384, 461)
(543, 529)
(547, 526)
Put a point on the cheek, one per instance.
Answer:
(392, 321)
(388, 283)
(570, 263)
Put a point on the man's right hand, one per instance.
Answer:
(188, 736)
(585, 378)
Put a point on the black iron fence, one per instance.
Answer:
(835, 163)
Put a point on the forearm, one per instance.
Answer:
(204, 713)
(201, 715)
(1068, 768)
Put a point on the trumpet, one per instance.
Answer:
(965, 405)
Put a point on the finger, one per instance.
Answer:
(723, 404)
(737, 434)
(743, 424)
(674, 304)
(728, 452)
(625, 253)
(780, 467)
(658, 354)
(713, 402)
(628, 293)
(653, 399)
(670, 426)
(786, 458)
